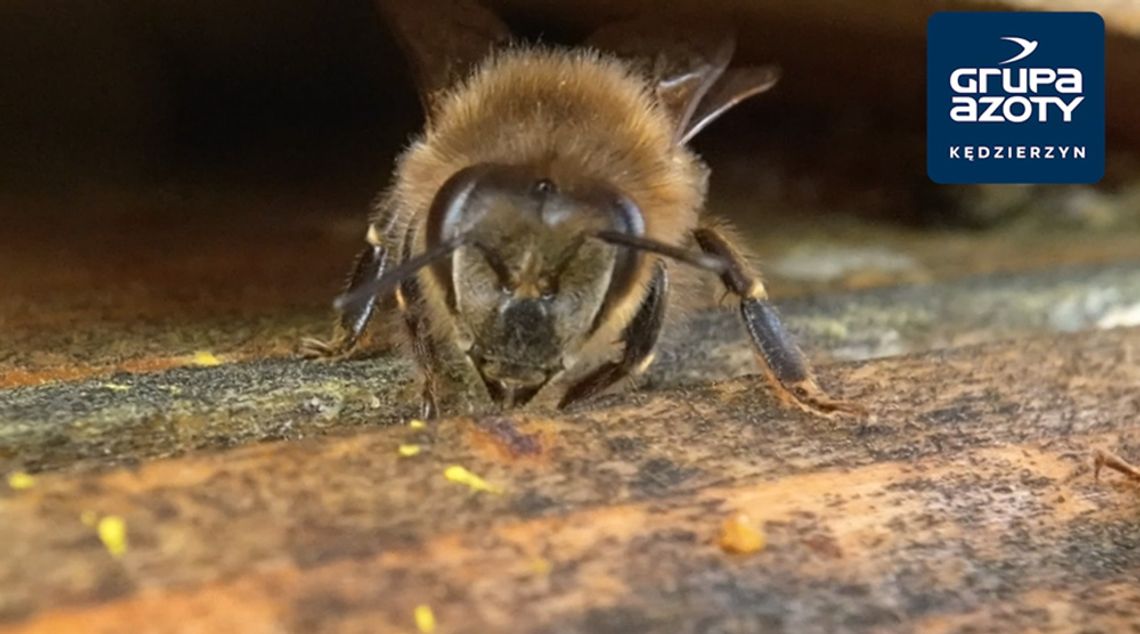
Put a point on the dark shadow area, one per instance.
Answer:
(308, 97)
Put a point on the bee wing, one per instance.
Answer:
(734, 86)
(443, 39)
(689, 66)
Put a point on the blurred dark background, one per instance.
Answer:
(135, 92)
(306, 89)
(307, 94)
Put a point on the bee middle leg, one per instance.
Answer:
(785, 365)
(640, 337)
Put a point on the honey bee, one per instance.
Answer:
(528, 233)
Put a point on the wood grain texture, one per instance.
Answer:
(966, 502)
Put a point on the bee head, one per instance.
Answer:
(531, 280)
(530, 266)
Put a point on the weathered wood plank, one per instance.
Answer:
(125, 418)
(967, 501)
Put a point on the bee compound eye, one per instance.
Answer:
(545, 186)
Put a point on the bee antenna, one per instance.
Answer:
(704, 261)
(387, 282)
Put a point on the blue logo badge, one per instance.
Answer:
(1015, 97)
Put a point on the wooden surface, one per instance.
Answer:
(967, 499)
(266, 493)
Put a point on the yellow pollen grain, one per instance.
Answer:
(205, 359)
(739, 535)
(20, 481)
(416, 423)
(459, 475)
(407, 451)
(540, 566)
(425, 619)
(113, 533)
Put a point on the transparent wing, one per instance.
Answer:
(733, 87)
(689, 65)
(443, 39)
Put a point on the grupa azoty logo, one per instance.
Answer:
(1015, 97)
(1015, 94)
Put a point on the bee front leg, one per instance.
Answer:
(785, 365)
(410, 301)
(640, 337)
(352, 319)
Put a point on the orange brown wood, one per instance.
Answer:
(966, 501)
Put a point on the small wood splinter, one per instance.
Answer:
(1114, 462)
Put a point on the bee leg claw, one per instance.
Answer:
(1116, 463)
(809, 396)
(314, 348)
(335, 348)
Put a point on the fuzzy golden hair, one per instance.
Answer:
(576, 114)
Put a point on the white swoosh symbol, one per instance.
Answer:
(1027, 48)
